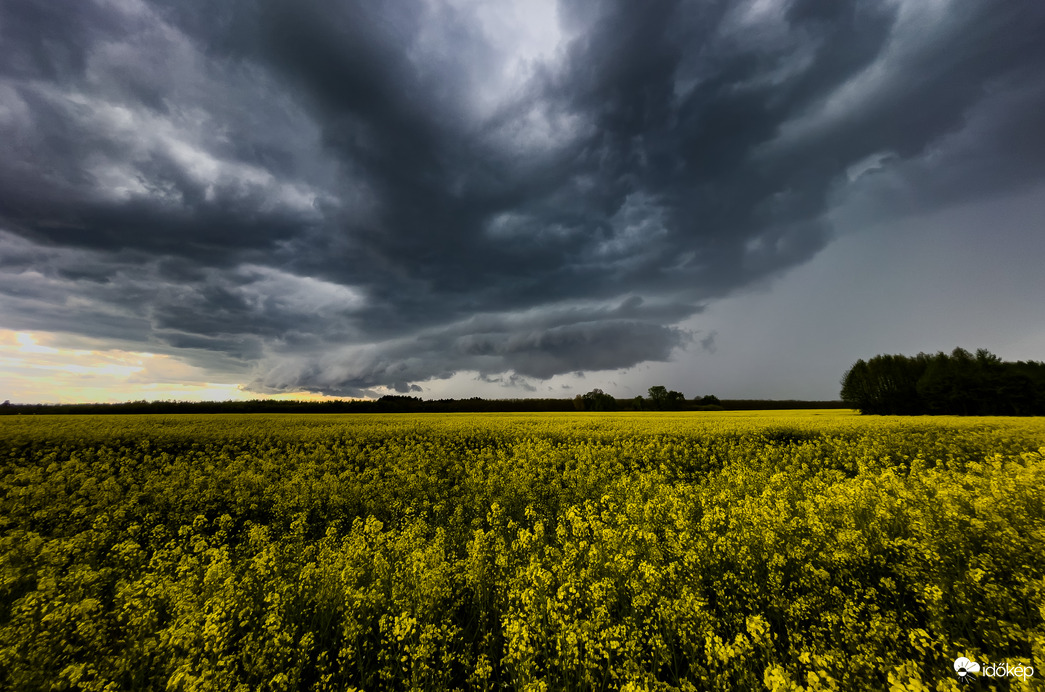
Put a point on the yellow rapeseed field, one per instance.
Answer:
(810, 550)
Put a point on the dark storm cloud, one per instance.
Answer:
(354, 195)
(537, 344)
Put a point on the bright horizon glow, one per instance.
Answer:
(36, 372)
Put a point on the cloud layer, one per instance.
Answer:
(346, 196)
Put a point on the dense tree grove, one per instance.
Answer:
(960, 384)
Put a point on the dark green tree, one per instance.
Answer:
(595, 400)
(658, 397)
(708, 402)
(663, 400)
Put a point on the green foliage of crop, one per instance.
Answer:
(702, 551)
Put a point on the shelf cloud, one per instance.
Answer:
(349, 196)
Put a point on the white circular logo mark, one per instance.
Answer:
(965, 669)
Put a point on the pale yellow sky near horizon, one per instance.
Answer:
(34, 369)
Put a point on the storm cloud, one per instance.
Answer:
(342, 197)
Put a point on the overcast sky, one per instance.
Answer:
(507, 199)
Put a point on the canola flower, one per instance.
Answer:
(810, 550)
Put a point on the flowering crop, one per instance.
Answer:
(693, 551)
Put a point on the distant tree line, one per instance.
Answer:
(777, 404)
(660, 399)
(386, 404)
(959, 384)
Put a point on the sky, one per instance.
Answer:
(527, 198)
